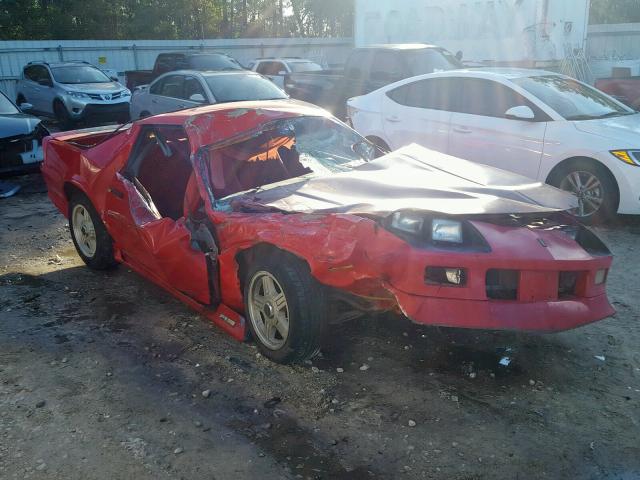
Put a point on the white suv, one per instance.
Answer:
(73, 92)
(277, 68)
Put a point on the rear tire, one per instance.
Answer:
(279, 290)
(62, 115)
(90, 237)
(595, 187)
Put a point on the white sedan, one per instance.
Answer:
(189, 88)
(546, 126)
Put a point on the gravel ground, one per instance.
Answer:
(105, 376)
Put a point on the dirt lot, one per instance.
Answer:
(102, 377)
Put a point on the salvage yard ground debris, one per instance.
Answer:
(109, 382)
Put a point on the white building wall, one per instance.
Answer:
(495, 30)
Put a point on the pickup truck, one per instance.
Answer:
(367, 69)
(168, 62)
(623, 89)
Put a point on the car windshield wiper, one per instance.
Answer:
(613, 114)
(598, 117)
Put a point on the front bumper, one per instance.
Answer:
(539, 300)
(628, 179)
(99, 111)
(22, 154)
(542, 316)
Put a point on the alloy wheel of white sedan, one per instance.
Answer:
(587, 188)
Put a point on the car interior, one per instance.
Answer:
(258, 161)
(161, 169)
(162, 173)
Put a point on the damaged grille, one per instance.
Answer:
(502, 284)
(560, 222)
(567, 282)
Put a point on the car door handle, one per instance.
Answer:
(393, 119)
(182, 106)
(153, 100)
(461, 130)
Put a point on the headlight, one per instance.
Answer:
(126, 93)
(408, 222)
(632, 157)
(446, 230)
(77, 94)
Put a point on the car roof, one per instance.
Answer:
(69, 63)
(287, 59)
(193, 54)
(211, 73)
(232, 118)
(504, 72)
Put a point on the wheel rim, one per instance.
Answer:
(268, 310)
(83, 231)
(588, 188)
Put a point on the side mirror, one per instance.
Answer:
(459, 55)
(521, 112)
(25, 107)
(197, 97)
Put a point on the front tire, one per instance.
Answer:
(62, 115)
(286, 308)
(90, 237)
(594, 186)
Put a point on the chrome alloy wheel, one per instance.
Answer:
(268, 310)
(83, 231)
(587, 187)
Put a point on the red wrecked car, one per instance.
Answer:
(277, 213)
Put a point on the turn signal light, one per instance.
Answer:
(601, 276)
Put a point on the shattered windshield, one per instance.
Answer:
(283, 150)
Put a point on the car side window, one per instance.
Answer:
(165, 63)
(30, 74)
(193, 90)
(37, 73)
(45, 75)
(156, 87)
(388, 66)
(489, 98)
(358, 64)
(172, 86)
(432, 93)
(270, 68)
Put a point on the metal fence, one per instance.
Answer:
(122, 55)
(616, 45)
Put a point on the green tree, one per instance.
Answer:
(172, 19)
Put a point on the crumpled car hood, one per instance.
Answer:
(412, 178)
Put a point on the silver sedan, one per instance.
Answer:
(188, 88)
